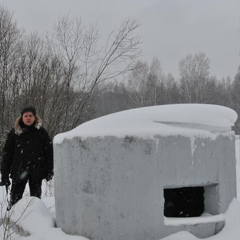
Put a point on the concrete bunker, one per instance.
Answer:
(115, 176)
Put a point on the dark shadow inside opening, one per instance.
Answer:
(184, 202)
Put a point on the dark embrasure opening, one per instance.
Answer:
(184, 202)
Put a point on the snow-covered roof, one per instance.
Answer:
(203, 120)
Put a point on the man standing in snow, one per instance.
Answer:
(27, 156)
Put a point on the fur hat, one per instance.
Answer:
(29, 109)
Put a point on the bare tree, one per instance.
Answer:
(86, 64)
(146, 84)
(171, 92)
(194, 78)
(10, 37)
(137, 84)
(235, 97)
(111, 97)
(156, 83)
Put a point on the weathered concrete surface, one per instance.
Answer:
(112, 188)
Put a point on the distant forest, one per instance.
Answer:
(71, 76)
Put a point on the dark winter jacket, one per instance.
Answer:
(28, 150)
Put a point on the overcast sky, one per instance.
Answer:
(170, 29)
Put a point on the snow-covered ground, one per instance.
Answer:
(34, 219)
(31, 218)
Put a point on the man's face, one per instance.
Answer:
(28, 118)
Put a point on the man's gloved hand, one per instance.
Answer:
(5, 181)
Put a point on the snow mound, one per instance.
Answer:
(33, 218)
(175, 119)
(182, 235)
(229, 231)
(30, 213)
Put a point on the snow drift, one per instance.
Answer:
(164, 119)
